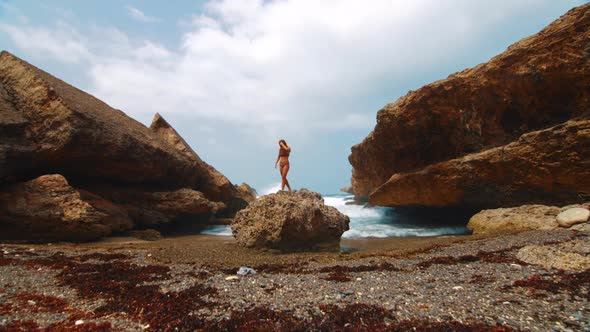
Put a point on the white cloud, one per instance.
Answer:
(278, 66)
(62, 42)
(140, 16)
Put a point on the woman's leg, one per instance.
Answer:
(284, 172)
(282, 167)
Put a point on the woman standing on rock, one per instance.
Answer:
(283, 158)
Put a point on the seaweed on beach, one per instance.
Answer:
(447, 260)
(20, 325)
(384, 266)
(124, 288)
(101, 257)
(495, 257)
(354, 317)
(39, 303)
(572, 283)
(338, 276)
(479, 279)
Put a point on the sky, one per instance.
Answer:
(234, 76)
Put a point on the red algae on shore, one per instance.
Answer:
(39, 303)
(354, 317)
(495, 257)
(572, 283)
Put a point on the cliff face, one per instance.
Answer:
(536, 83)
(47, 127)
(547, 166)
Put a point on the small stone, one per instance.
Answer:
(506, 302)
(573, 216)
(359, 279)
(79, 322)
(515, 267)
(458, 288)
(230, 278)
(245, 271)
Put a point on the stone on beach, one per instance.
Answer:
(289, 220)
(573, 216)
(572, 255)
(517, 219)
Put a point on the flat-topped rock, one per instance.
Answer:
(289, 220)
(573, 216)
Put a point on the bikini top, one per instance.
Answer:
(283, 153)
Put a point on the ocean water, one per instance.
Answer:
(375, 222)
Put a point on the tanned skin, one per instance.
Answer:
(283, 161)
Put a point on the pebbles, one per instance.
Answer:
(464, 282)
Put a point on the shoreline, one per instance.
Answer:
(468, 283)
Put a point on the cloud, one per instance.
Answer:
(291, 67)
(138, 15)
(62, 42)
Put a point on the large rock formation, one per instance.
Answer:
(298, 220)
(248, 193)
(549, 166)
(537, 83)
(48, 209)
(211, 182)
(523, 218)
(50, 127)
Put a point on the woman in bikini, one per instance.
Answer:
(283, 158)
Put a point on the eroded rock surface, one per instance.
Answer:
(119, 167)
(49, 209)
(289, 220)
(510, 220)
(572, 255)
(549, 166)
(247, 193)
(539, 82)
(523, 218)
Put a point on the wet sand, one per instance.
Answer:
(223, 251)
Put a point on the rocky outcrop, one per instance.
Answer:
(347, 189)
(212, 183)
(520, 219)
(82, 137)
(49, 209)
(246, 192)
(571, 255)
(289, 220)
(150, 174)
(510, 220)
(156, 208)
(536, 83)
(549, 166)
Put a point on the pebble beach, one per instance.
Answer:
(458, 283)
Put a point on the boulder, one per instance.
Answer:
(539, 82)
(49, 209)
(571, 255)
(246, 192)
(510, 220)
(157, 208)
(572, 216)
(290, 221)
(548, 167)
